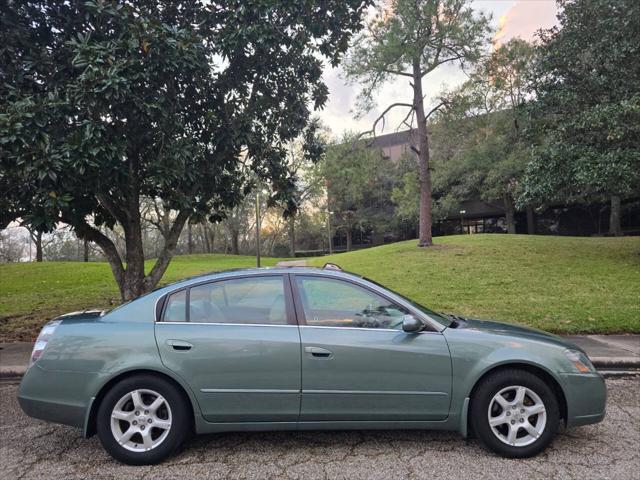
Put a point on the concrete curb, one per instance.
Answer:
(12, 371)
(602, 363)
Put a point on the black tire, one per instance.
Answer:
(481, 401)
(181, 420)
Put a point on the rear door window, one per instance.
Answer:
(250, 300)
(176, 308)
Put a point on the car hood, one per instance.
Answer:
(511, 330)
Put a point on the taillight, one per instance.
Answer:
(43, 339)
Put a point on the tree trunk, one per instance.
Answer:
(131, 280)
(349, 239)
(38, 241)
(211, 233)
(292, 236)
(205, 238)
(86, 250)
(615, 228)
(531, 221)
(189, 239)
(510, 213)
(132, 286)
(424, 174)
(235, 249)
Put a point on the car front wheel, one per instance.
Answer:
(142, 420)
(514, 413)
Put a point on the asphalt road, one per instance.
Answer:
(610, 450)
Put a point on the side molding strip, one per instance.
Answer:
(245, 390)
(372, 392)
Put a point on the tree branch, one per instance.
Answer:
(409, 124)
(116, 212)
(87, 232)
(381, 118)
(397, 72)
(435, 65)
(434, 109)
(170, 242)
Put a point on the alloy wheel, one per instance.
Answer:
(517, 416)
(141, 420)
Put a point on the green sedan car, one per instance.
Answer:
(301, 349)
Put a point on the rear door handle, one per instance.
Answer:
(318, 352)
(180, 345)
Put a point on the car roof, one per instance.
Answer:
(235, 272)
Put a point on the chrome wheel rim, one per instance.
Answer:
(141, 420)
(517, 416)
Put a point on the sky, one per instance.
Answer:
(510, 18)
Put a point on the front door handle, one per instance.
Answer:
(318, 352)
(179, 345)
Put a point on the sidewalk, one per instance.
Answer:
(607, 352)
(610, 351)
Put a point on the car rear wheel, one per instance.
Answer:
(514, 413)
(142, 420)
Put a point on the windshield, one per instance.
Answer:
(438, 317)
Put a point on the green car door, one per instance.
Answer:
(357, 362)
(235, 341)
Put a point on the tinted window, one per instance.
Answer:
(336, 303)
(176, 309)
(243, 300)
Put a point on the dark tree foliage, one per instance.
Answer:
(359, 181)
(106, 103)
(588, 106)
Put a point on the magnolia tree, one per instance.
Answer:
(106, 104)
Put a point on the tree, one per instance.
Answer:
(11, 246)
(303, 166)
(237, 221)
(410, 39)
(479, 150)
(406, 193)
(359, 182)
(111, 103)
(588, 106)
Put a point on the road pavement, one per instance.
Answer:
(31, 449)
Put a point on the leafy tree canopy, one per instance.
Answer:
(109, 102)
(588, 104)
(359, 180)
(478, 150)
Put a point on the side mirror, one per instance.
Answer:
(411, 324)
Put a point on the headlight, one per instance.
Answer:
(43, 339)
(579, 361)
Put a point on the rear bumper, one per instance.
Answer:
(586, 396)
(53, 396)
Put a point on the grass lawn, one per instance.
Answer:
(560, 284)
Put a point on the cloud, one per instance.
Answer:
(525, 18)
(511, 18)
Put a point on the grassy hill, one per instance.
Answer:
(561, 284)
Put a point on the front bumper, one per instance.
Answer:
(586, 395)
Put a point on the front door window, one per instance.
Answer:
(330, 302)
